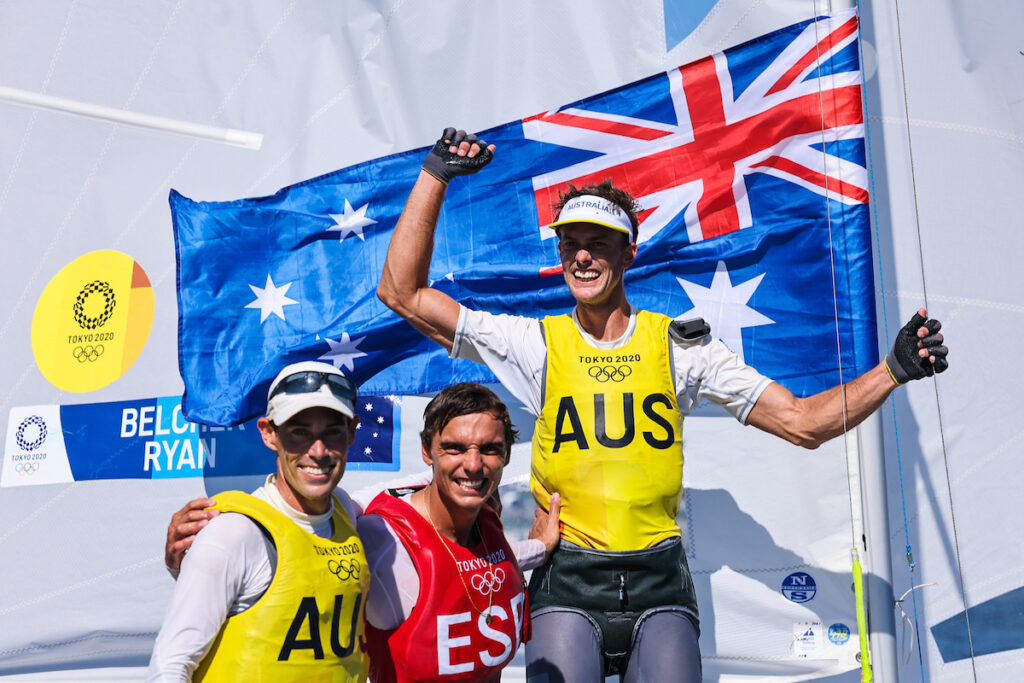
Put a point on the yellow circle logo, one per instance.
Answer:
(92, 321)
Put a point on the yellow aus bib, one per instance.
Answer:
(308, 626)
(609, 437)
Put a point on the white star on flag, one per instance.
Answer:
(351, 222)
(724, 306)
(448, 276)
(343, 352)
(271, 299)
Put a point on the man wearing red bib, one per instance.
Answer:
(470, 612)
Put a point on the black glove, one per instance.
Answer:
(903, 361)
(444, 165)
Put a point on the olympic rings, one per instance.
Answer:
(27, 467)
(344, 569)
(104, 289)
(488, 582)
(87, 353)
(610, 372)
(26, 444)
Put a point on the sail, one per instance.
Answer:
(947, 130)
(769, 527)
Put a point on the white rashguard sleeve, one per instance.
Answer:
(512, 347)
(227, 566)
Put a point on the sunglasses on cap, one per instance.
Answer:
(309, 381)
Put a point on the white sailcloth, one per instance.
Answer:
(328, 85)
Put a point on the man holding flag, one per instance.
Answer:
(610, 386)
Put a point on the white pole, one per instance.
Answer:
(228, 136)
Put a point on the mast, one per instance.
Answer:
(865, 445)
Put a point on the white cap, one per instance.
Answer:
(589, 208)
(316, 392)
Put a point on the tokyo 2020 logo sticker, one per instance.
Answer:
(94, 289)
(92, 320)
(31, 433)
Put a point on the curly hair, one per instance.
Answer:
(466, 398)
(606, 190)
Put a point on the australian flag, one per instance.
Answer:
(750, 168)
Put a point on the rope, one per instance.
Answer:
(938, 402)
(862, 619)
(858, 582)
(831, 257)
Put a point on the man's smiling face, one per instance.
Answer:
(593, 261)
(468, 456)
(312, 450)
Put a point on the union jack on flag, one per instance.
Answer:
(735, 115)
(750, 168)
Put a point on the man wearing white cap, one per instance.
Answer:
(274, 588)
(610, 386)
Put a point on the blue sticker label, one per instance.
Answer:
(799, 587)
(151, 439)
(839, 633)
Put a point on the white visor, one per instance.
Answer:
(597, 210)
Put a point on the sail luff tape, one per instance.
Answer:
(228, 136)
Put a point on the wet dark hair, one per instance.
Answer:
(605, 189)
(466, 398)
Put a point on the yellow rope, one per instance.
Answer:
(862, 618)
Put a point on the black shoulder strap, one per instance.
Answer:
(404, 490)
(691, 330)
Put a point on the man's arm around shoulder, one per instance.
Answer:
(227, 563)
